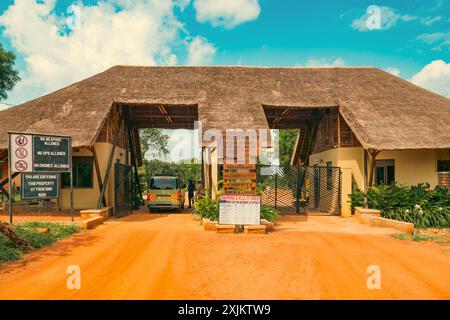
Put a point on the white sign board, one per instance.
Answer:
(239, 209)
(21, 153)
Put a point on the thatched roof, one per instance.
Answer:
(384, 111)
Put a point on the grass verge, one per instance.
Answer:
(27, 230)
(441, 239)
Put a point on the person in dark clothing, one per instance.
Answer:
(191, 189)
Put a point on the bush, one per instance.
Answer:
(206, 206)
(8, 251)
(269, 213)
(417, 204)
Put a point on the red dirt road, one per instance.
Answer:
(170, 257)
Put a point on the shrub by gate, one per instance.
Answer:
(295, 189)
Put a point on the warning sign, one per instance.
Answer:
(40, 153)
(21, 153)
(40, 185)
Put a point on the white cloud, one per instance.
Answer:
(435, 76)
(393, 70)
(59, 50)
(226, 13)
(388, 19)
(407, 18)
(441, 39)
(428, 21)
(200, 52)
(326, 62)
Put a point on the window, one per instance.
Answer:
(329, 175)
(163, 183)
(443, 165)
(82, 173)
(384, 172)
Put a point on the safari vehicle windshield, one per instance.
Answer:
(163, 183)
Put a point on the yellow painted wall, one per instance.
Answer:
(351, 162)
(411, 167)
(87, 198)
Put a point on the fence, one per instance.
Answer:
(295, 189)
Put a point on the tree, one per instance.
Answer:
(287, 139)
(155, 140)
(8, 76)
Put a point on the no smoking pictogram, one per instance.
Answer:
(21, 140)
(21, 165)
(21, 153)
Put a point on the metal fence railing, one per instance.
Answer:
(297, 189)
(123, 188)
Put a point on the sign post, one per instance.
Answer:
(40, 158)
(239, 209)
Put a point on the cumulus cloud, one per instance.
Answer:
(61, 49)
(387, 17)
(200, 52)
(226, 13)
(435, 77)
(326, 62)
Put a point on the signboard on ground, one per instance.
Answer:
(40, 153)
(239, 178)
(40, 158)
(40, 185)
(239, 209)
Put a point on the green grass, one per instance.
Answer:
(9, 252)
(438, 239)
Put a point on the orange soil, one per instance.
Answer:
(170, 257)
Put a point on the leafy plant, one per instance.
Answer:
(417, 204)
(207, 207)
(269, 213)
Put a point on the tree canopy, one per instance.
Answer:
(287, 139)
(8, 75)
(155, 140)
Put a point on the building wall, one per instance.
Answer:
(411, 167)
(87, 198)
(351, 162)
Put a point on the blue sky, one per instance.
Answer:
(54, 51)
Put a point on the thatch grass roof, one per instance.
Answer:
(384, 111)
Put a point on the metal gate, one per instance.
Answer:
(123, 188)
(295, 189)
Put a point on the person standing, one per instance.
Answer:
(191, 189)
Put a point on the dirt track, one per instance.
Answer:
(170, 257)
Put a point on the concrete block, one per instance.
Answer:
(364, 215)
(261, 229)
(268, 224)
(402, 226)
(209, 225)
(89, 213)
(225, 228)
(91, 223)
